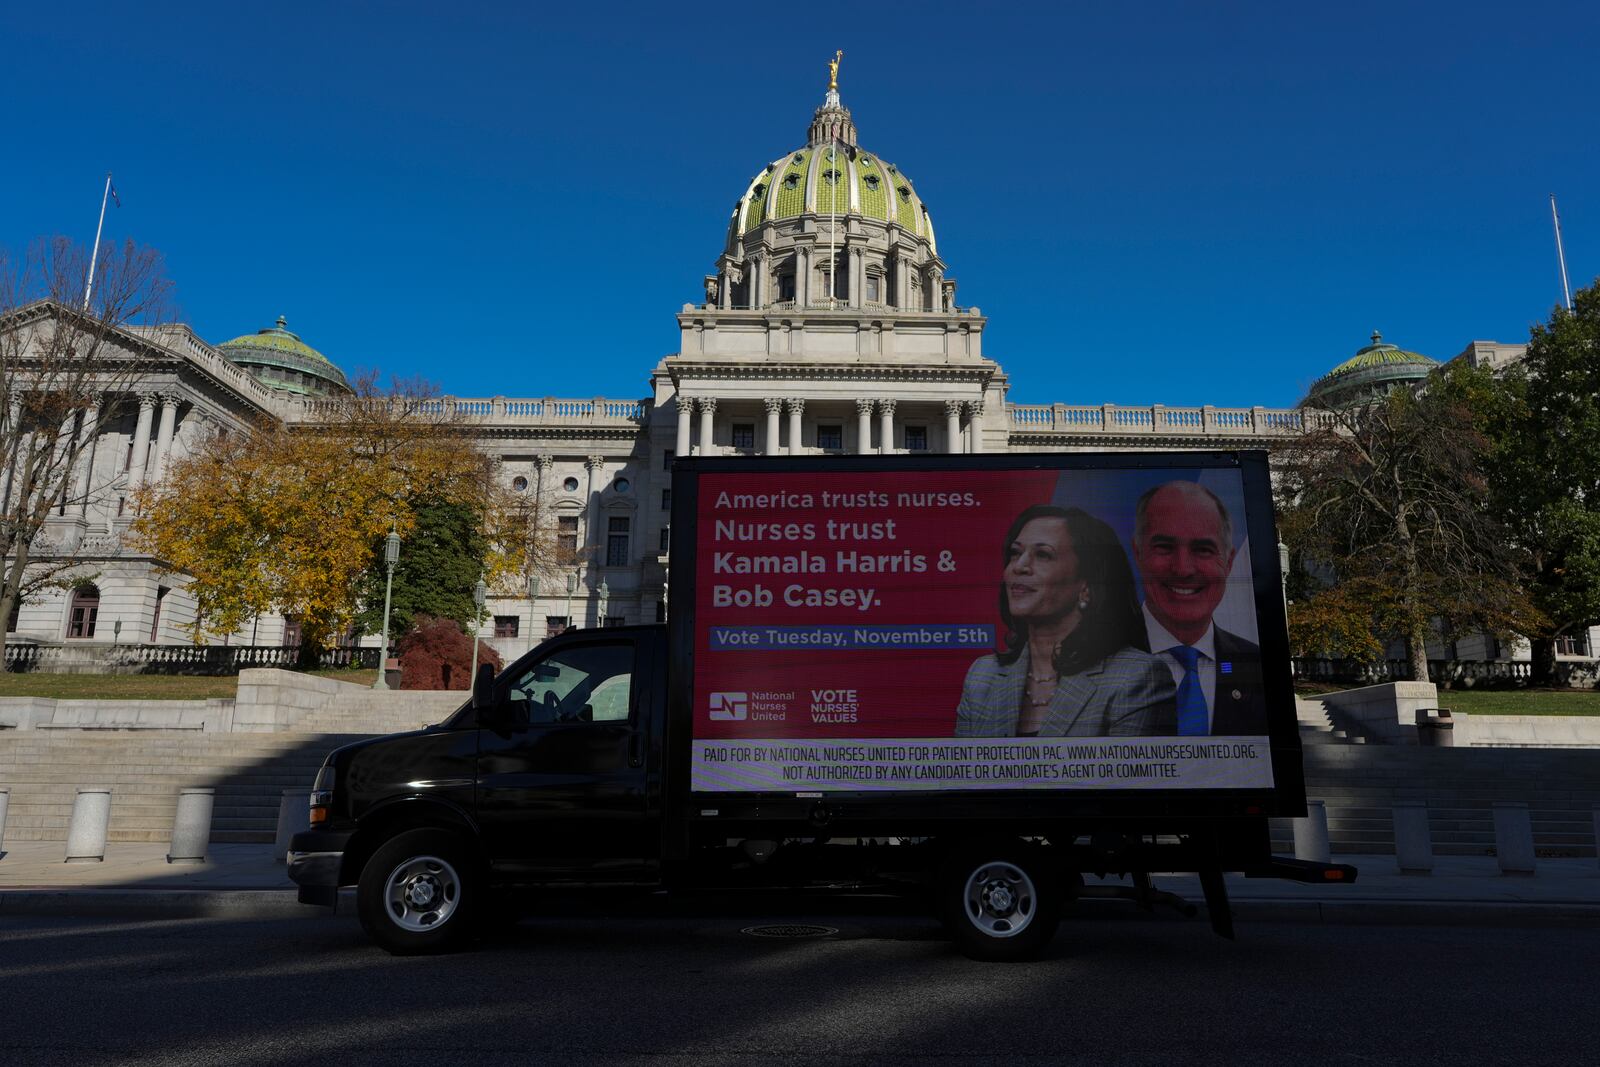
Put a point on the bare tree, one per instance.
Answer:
(65, 361)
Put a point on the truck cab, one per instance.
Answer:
(552, 775)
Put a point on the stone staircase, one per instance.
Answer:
(1360, 784)
(1318, 726)
(146, 769)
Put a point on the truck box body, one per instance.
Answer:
(834, 622)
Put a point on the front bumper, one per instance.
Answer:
(316, 860)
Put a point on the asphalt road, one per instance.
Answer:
(690, 987)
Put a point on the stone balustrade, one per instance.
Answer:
(499, 410)
(1069, 419)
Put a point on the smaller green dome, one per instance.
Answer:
(1372, 371)
(281, 360)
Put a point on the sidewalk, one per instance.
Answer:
(244, 881)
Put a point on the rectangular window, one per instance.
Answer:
(830, 437)
(122, 502)
(916, 438)
(786, 287)
(667, 457)
(506, 625)
(555, 624)
(744, 435)
(617, 542)
(1573, 644)
(127, 461)
(567, 534)
(874, 288)
(666, 500)
(666, 539)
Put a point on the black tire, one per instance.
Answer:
(1001, 900)
(420, 892)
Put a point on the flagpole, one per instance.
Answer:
(1561, 254)
(88, 287)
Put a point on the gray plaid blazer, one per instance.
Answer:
(1127, 694)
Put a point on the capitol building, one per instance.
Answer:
(830, 325)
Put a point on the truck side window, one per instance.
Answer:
(588, 683)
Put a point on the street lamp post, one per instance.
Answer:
(605, 595)
(116, 632)
(572, 587)
(480, 594)
(391, 556)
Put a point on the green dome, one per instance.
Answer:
(1372, 371)
(281, 360)
(832, 179)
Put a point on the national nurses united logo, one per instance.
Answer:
(730, 707)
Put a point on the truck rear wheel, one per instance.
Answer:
(419, 892)
(1000, 900)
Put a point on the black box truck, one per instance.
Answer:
(975, 678)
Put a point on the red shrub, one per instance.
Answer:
(437, 655)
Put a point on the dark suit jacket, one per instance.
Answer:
(1127, 694)
(1241, 702)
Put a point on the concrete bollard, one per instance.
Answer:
(294, 815)
(1311, 834)
(191, 826)
(1413, 839)
(86, 835)
(5, 802)
(1513, 837)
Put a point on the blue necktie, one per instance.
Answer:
(1192, 718)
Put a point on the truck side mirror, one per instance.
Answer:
(483, 686)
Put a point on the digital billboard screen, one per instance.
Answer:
(995, 629)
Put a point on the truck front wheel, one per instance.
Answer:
(1000, 900)
(418, 893)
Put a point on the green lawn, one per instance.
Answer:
(1499, 701)
(142, 686)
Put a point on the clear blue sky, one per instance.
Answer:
(1175, 203)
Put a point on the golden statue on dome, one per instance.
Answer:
(833, 70)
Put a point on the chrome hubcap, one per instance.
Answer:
(1000, 899)
(422, 893)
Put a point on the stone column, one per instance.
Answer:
(858, 279)
(141, 442)
(591, 537)
(796, 409)
(863, 426)
(952, 425)
(14, 424)
(936, 291)
(91, 431)
(708, 412)
(886, 426)
(169, 420)
(774, 406)
(802, 278)
(975, 425)
(541, 470)
(685, 424)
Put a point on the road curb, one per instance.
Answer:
(283, 904)
(157, 903)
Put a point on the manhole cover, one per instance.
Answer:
(789, 930)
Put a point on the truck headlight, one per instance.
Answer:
(322, 795)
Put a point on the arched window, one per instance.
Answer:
(84, 612)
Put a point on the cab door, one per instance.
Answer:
(561, 765)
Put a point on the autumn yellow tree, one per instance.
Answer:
(286, 518)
